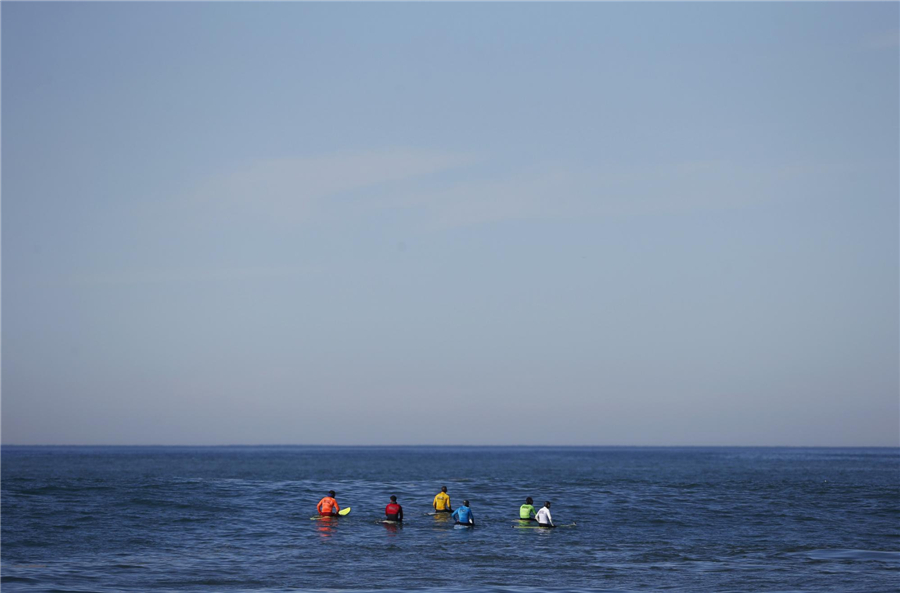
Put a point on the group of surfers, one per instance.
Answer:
(463, 515)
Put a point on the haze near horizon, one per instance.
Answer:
(530, 224)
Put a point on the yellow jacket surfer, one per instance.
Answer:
(441, 502)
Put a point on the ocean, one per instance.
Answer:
(647, 519)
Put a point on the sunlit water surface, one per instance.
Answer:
(238, 519)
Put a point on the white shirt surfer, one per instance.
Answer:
(543, 516)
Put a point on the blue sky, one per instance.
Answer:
(611, 224)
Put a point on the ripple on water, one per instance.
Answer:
(853, 555)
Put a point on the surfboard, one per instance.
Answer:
(533, 525)
(341, 513)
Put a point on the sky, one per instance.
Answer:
(478, 224)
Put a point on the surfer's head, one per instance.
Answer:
(528, 500)
(393, 499)
(466, 503)
(547, 504)
(331, 493)
(443, 488)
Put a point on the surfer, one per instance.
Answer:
(464, 515)
(393, 511)
(328, 506)
(441, 502)
(543, 516)
(526, 511)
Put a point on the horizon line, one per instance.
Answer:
(470, 446)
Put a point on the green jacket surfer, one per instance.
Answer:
(526, 511)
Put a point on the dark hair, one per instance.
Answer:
(546, 503)
(466, 502)
(443, 488)
(528, 500)
(393, 499)
(331, 493)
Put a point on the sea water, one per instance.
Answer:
(238, 519)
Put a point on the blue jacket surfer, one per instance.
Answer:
(464, 514)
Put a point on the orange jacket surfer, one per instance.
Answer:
(328, 505)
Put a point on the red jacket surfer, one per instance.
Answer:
(393, 511)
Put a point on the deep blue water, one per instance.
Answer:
(238, 518)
